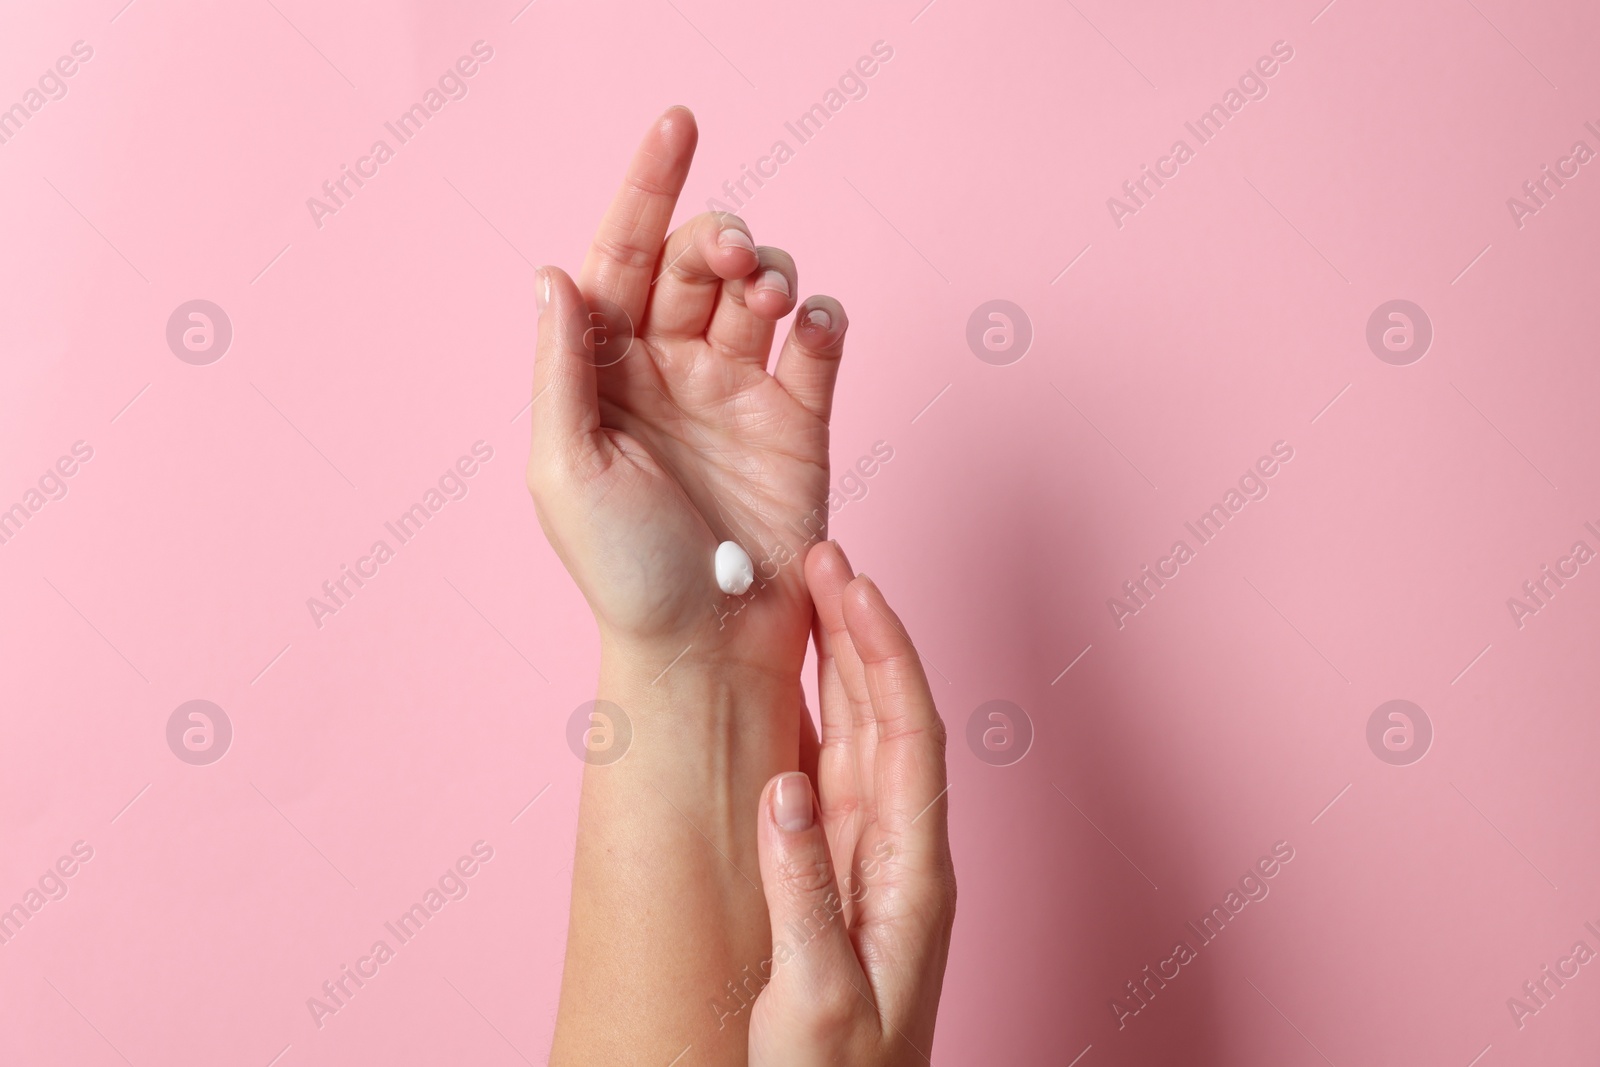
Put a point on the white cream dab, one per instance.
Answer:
(734, 571)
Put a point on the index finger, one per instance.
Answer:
(621, 262)
(910, 759)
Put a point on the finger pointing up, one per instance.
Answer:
(623, 259)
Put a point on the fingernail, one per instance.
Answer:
(733, 237)
(837, 547)
(773, 281)
(791, 802)
(819, 318)
(541, 290)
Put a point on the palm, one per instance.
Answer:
(720, 451)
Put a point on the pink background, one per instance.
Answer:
(1224, 316)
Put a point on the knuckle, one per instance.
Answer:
(538, 474)
(845, 807)
(808, 874)
(650, 187)
(719, 220)
(833, 1008)
(626, 252)
(687, 274)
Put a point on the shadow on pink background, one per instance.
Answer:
(1175, 341)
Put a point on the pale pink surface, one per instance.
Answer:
(427, 713)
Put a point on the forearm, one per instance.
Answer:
(667, 907)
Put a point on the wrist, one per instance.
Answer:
(704, 735)
(673, 819)
(760, 637)
(694, 710)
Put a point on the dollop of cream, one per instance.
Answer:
(735, 573)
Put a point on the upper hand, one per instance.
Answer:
(658, 431)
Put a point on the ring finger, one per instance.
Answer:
(748, 308)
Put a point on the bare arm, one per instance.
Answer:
(645, 457)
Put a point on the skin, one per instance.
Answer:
(861, 987)
(658, 432)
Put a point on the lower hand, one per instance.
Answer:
(857, 967)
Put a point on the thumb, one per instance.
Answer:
(566, 411)
(814, 965)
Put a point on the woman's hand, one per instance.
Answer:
(659, 433)
(856, 967)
